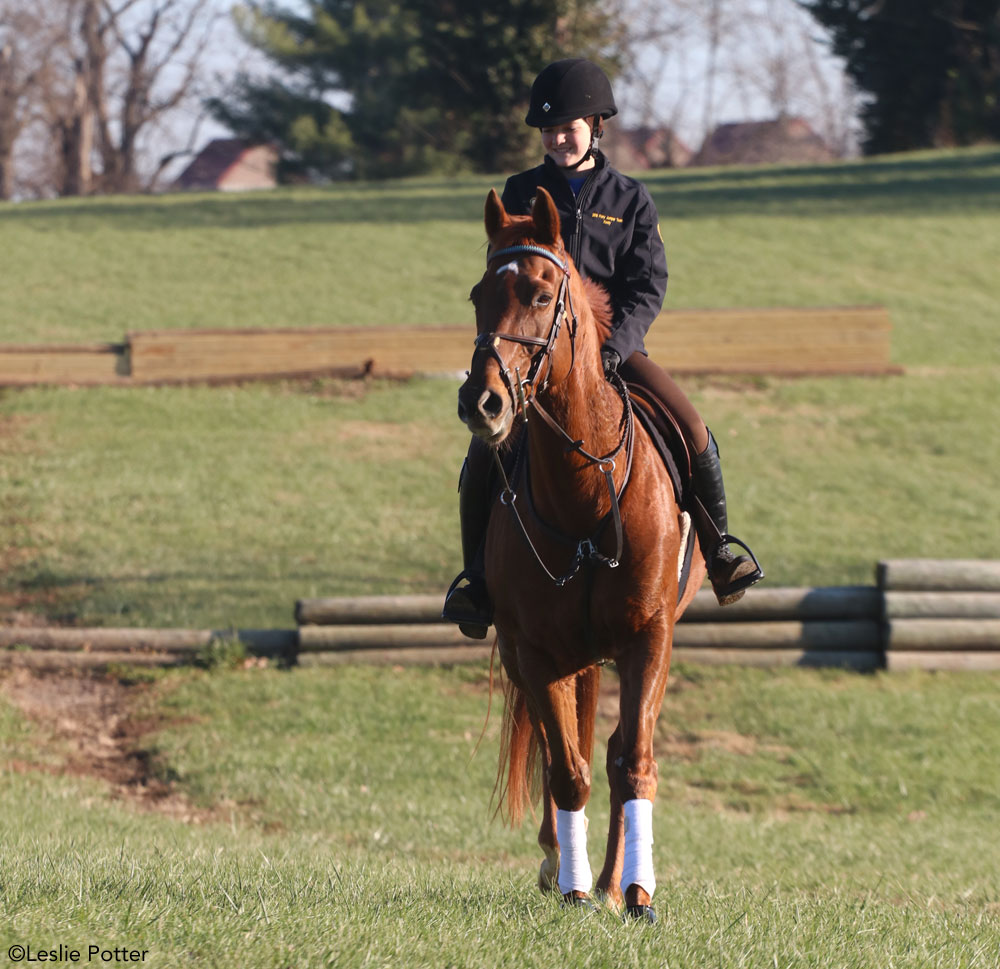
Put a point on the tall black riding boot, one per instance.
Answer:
(731, 575)
(469, 605)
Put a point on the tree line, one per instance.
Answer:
(372, 88)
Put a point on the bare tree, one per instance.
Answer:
(24, 37)
(174, 35)
(693, 63)
(106, 76)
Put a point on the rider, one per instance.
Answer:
(611, 229)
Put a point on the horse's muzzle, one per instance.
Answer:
(485, 412)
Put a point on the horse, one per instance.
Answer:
(582, 555)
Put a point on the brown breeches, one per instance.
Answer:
(641, 370)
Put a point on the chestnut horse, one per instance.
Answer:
(581, 557)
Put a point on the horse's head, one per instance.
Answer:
(521, 310)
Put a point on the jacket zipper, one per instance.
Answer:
(578, 202)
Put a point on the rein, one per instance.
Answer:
(586, 550)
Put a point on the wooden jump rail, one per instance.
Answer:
(53, 648)
(781, 341)
(921, 614)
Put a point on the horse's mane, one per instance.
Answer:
(519, 231)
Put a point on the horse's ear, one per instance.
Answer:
(496, 215)
(545, 217)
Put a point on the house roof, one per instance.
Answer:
(644, 147)
(212, 163)
(785, 139)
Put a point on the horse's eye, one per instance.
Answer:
(543, 299)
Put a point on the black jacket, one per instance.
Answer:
(612, 231)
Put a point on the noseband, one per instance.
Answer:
(490, 342)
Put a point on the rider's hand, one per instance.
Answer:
(610, 359)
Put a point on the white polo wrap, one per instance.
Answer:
(638, 867)
(574, 867)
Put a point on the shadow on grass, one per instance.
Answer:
(905, 185)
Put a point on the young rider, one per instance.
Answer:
(611, 229)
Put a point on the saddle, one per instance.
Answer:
(662, 428)
(664, 432)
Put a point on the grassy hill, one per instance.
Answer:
(215, 507)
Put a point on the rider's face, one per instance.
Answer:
(567, 143)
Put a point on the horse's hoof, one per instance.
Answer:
(548, 873)
(640, 913)
(579, 900)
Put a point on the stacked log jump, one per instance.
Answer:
(768, 627)
(941, 615)
(921, 614)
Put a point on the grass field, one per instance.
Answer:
(805, 819)
(320, 817)
(210, 507)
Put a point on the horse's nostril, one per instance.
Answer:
(490, 404)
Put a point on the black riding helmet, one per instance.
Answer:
(567, 90)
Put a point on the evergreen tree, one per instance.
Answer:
(931, 68)
(392, 87)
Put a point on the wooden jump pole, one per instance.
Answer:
(48, 660)
(369, 610)
(342, 638)
(791, 604)
(261, 642)
(844, 635)
(939, 575)
(941, 605)
(943, 634)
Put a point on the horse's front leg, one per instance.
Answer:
(632, 769)
(609, 881)
(566, 707)
(549, 871)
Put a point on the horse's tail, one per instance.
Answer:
(518, 781)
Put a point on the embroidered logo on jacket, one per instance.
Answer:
(606, 219)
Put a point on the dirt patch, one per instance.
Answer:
(96, 726)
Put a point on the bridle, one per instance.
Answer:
(490, 342)
(524, 395)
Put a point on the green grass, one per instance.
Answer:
(805, 819)
(915, 232)
(221, 507)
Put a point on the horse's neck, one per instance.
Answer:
(565, 485)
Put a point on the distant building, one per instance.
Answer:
(780, 141)
(632, 149)
(230, 165)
